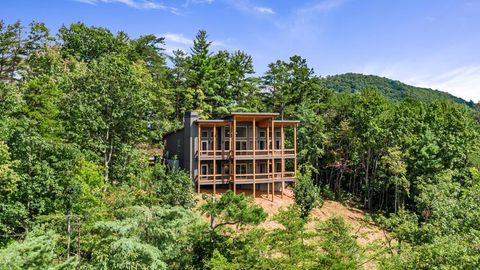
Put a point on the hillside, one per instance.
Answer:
(394, 90)
(366, 232)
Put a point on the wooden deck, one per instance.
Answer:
(272, 151)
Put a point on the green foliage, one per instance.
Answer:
(394, 90)
(306, 194)
(232, 209)
(341, 250)
(173, 187)
(78, 109)
(37, 251)
(148, 238)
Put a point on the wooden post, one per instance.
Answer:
(198, 158)
(295, 150)
(214, 159)
(282, 141)
(234, 154)
(267, 143)
(273, 160)
(268, 189)
(230, 154)
(254, 162)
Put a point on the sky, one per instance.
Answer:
(427, 43)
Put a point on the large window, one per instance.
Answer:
(241, 132)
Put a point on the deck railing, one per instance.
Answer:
(246, 178)
(224, 154)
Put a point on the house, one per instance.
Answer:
(261, 154)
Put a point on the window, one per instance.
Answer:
(241, 168)
(278, 167)
(278, 134)
(226, 133)
(206, 145)
(277, 144)
(261, 145)
(262, 134)
(241, 132)
(262, 167)
(204, 134)
(241, 145)
(226, 145)
(204, 169)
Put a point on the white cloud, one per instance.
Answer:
(178, 41)
(264, 10)
(323, 6)
(136, 4)
(177, 38)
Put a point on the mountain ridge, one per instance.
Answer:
(392, 89)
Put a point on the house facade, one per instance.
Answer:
(261, 154)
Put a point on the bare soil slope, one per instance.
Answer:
(366, 231)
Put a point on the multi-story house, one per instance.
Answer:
(261, 154)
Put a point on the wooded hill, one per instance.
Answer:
(394, 90)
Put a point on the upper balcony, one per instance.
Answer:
(256, 136)
(246, 154)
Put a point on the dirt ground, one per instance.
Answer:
(367, 232)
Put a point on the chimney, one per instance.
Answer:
(190, 132)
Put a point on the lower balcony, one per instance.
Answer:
(248, 178)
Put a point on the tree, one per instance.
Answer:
(173, 187)
(306, 194)
(145, 238)
(231, 209)
(36, 251)
(107, 107)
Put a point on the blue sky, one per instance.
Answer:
(429, 43)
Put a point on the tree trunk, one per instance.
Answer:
(69, 231)
(107, 158)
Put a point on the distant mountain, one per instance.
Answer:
(395, 90)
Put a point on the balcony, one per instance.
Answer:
(208, 179)
(246, 154)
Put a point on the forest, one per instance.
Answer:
(77, 190)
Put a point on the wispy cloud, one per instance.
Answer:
(323, 6)
(136, 4)
(264, 10)
(177, 38)
(196, 2)
(178, 41)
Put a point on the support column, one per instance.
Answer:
(267, 143)
(254, 161)
(295, 150)
(214, 159)
(199, 147)
(282, 141)
(230, 155)
(234, 131)
(273, 159)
